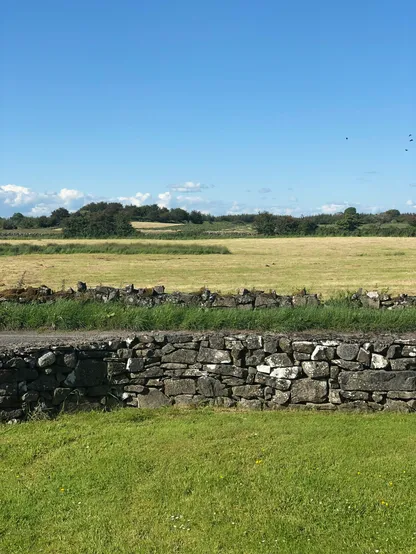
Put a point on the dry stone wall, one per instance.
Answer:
(250, 371)
(156, 296)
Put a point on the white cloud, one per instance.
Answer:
(40, 209)
(13, 195)
(16, 198)
(137, 200)
(333, 208)
(165, 199)
(235, 209)
(191, 199)
(285, 210)
(409, 203)
(69, 195)
(189, 186)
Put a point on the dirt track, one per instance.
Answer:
(13, 339)
(24, 339)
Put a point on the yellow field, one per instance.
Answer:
(154, 225)
(323, 265)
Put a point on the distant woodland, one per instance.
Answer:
(112, 219)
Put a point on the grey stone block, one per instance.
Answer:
(348, 352)
(173, 387)
(378, 380)
(316, 370)
(309, 390)
(212, 356)
(153, 399)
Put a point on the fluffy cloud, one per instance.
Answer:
(137, 200)
(69, 195)
(333, 208)
(165, 198)
(16, 198)
(236, 209)
(13, 195)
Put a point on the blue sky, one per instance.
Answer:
(224, 106)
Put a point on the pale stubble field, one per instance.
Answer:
(322, 265)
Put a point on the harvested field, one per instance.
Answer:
(323, 265)
(154, 226)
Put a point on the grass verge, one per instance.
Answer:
(16, 249)
(67, 315)
(209, 482)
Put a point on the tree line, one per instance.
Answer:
(104, 219)
(346, 223)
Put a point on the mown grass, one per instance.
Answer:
(209, 482)
(322, 265)
(20, 249)
(72, 315)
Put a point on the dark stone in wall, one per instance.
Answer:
(87, 373)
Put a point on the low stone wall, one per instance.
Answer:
(156, 296)
(231, 370)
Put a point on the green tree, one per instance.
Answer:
(286, 225)
(196, 217)
(57, 216)
(349, 222)
(265, 223)
(350, 211)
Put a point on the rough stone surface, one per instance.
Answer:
(401, 364)
(154, 399)
(88, 373)
(47, 359)
(316, 370)
(348, 352)
(309, 390)
(182, 356)
(280, 398)
(378, 380)
(396, 406)
(247, 370)
(210, 387)
(213, 356)
(364, 356)
(306, 347)
(286, 372)
(173, 387)
(248, 391)
(279, 360)
(379, 362)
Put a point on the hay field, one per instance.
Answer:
(325, 265)
(156, 227)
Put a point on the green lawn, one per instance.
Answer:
(203, 481)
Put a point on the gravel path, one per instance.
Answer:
(15, 339)
(11, 339)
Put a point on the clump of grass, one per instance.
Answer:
(9, 249)
(73, 315)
